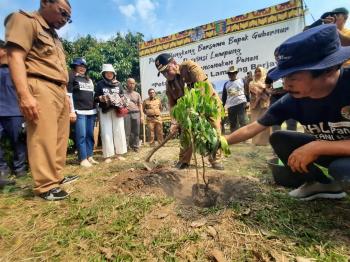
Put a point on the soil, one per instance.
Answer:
(181, 185)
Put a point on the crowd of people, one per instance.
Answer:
(38, 94)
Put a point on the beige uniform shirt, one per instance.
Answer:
(45, 55)
(152, 108)
(189, 73)
(346, 32)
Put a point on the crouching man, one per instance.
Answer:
(319, 98)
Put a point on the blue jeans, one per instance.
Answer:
(84, 135)
(12, 128)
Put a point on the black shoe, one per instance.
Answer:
(68, 179)
(54, 194)
(6, 182)
(180, 165)
(217, 166)
(19, 174)
(135, 149)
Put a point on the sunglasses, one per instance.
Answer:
(65, 15)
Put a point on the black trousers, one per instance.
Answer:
(12, 128)
(285, 142)
(237, 116)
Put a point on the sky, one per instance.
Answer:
(155, 18)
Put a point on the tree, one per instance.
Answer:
(121, 51)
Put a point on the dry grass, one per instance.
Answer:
(106, 220)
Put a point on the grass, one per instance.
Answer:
(97, 223)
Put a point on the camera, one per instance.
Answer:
(320, 21)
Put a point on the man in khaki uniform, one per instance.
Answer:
(178, 76)
(152, 107)
(38, 69)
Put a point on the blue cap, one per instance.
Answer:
(79, 61)
(315, 49)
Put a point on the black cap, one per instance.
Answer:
(162, 62)
(2, 44)
(79, 61)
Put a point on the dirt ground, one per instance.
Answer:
(122, 212)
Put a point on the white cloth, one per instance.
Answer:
(235, 93)
(86, 112)
(112, 134)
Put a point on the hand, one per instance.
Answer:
(72, 117)
(329, 20)
(174, 128)
(29, 107)
(104, 99)
(302, 157)
(142, 119)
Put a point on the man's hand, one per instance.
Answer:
(72, 117)
(329, 20)
(29, 107)
(302, 157)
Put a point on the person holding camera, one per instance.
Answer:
(338, 17)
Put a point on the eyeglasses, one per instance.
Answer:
(65, 15)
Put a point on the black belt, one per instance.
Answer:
(133, 112)
(55, 82)
(154, 116)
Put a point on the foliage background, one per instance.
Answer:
(121, 51)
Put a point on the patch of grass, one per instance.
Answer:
(308, 224)
(4, 233)
(170, 243)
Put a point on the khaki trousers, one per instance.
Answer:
(47, 138)
(155, 125)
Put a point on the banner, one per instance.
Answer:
(244, 41)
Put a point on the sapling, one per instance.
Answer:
(195, 112)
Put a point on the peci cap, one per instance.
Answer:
(232, 69)
(314, 49)
(162, 62)
(79, 61)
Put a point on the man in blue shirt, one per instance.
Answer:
(319, 98)
(11, 121)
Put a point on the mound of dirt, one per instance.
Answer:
(181, 185)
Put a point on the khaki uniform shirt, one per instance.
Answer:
(346, 32)
(189, 73)
(45, 55)
(152, 108)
